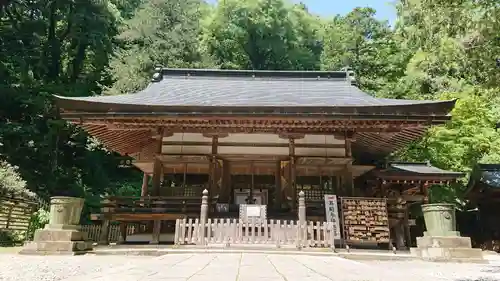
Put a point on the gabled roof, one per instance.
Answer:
(484, 176)
(421, 168)
(199, 90)
(417, 172)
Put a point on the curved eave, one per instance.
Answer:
(76, 107)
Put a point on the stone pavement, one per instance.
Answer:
(266, 267)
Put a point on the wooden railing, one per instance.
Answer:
(112, 207)
(272, 232)
(93, 232)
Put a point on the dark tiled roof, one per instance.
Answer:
(484, 175)
(422, 168)
(226, 88)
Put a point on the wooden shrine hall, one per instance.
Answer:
(250, 137)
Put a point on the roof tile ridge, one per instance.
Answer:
(161, 72)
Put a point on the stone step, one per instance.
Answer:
(443, 242)
(449, 254)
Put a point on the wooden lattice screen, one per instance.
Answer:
(15, 214)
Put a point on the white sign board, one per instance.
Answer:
(253, 211)
(332, 214)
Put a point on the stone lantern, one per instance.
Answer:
(62, 234)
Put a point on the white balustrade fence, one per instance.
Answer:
(273, 232)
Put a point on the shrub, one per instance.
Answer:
(38, 220)
(11, 182)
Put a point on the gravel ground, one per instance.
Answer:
(124, 268)
(45, 268)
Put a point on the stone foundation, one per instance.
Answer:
(62, 236)
(446, 248)
(57, 242)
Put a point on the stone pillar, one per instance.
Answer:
(203, 215)
(302, 208)
(302, 218)
(62, 234)
(441, 241)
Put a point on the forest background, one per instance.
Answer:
(438, 49)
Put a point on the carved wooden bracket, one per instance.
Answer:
(294, 136)
(218, 135)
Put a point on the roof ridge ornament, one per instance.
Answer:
(350, 75)
(158, 75)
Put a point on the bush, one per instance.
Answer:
(38, 220)
(11, 237)
(11, 182)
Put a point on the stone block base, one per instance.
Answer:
(446, 248)
(443, 242)
(446, 234)
(57, 242)
(57, 248)
(59, 235)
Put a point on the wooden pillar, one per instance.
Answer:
(156, 232)
(277, 187)
(103, 236)
(424, 188)
(348, 178)
(225, 193)
(407, 225)
(144, 188)
(293, 170)
(158, 165)
(212, 165)
(123, 232)
(252, 183)
(184, 171)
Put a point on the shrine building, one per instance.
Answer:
(261, 137)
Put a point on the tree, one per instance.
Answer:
(247, 34)
(161, 32)
(46, 48)
(363, 43)
(11, 182)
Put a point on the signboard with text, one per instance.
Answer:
(332, 214)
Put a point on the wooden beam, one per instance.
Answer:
(250, 144)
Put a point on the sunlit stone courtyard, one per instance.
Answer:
(234, 266)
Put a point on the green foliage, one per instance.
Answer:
(160, 33)
(248, 34)
(437, 50)
(364, 44)
(11, 182)
(11, 237)
(37, 221)
(46, 48)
